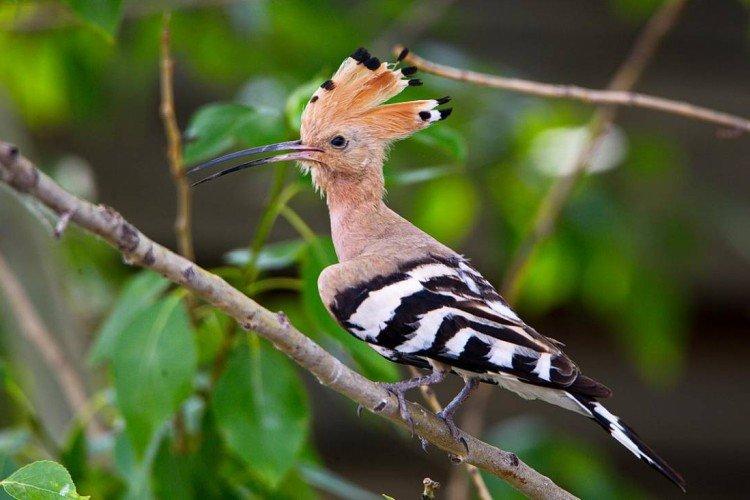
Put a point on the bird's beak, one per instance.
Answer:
(299, 152)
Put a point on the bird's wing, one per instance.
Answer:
(440, 308)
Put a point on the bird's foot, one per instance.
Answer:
(447, 418)
(397, 390)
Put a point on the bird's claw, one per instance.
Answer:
(453, 429)
(403, 409)
(424, 443)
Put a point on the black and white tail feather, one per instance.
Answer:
(627, 437)
(440, 309)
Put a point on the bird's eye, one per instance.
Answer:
(339, 142)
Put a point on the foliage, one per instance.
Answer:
(43, 480)
(193, 406)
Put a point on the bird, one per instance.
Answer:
(411, 298)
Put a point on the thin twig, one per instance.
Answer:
(33, 329)
(544, 223)
(625, 77)
(429, 488)
(183, 219)
(483, 493)
(20, 174)
(576, 93)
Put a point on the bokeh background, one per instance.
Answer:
(645, 279)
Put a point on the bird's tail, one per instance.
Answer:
(627, 437)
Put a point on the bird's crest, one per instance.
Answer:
(357, 93)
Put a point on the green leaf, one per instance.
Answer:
(139, 292)
(43, 480)
(74, 454)
(217, 127)
(261, 409)
(12, 442)
(418, 175)
(297, 100)
(576, 464)
(445, 138)
(319, 256)
(154, 362)
(332, 483)
(172, 473)
(272, 257)
(103, 15)
(449, 222)
(210, 335)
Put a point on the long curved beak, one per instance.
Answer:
(300, 152)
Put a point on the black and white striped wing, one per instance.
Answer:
(442, 309)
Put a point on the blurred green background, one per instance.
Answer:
(646, 278)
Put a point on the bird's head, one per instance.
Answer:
(346, 127)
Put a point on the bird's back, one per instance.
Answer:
(418, 302)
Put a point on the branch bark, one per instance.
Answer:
(182, 223)
(137, 249)
(33, 328)
(611, 96)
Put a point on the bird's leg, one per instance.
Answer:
(399, 388)
(450, 409)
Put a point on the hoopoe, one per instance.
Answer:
(411, 298)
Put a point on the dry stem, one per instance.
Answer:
(182, 223)
(32, 327)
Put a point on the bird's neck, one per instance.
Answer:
(359, 217)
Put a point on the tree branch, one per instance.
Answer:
(32, 327)
(626, 76)
(137, 249)
(483, 493)
(182, 223)
(576, 93)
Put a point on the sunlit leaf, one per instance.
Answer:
(272, 257)
(446, 208)
(297, 101)
(12, 442)
(138, 293)
(369, 362)
(154, 361)
(550, 278)
(446, 139)
(104, 15)
(654, 325)
(212, 129)
(43, 480)
(261, 410)
(217, 127)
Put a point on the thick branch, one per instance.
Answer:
(138, 249)
(576, 93)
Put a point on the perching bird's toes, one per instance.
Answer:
(452, 427)
(403, 409)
